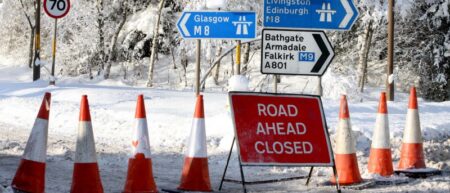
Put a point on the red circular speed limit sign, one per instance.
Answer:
(56, 8)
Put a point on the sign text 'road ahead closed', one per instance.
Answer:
(280, 130)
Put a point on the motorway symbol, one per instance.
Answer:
(217, 25)
(294, 52)
(57, 8)
(310, 14)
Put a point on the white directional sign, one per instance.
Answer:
(293, 52)
(56, 8)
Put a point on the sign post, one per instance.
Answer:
(310, 14)
(280, 130)
(55, 9)
(293, 52)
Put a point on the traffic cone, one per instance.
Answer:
(86, 176)
(380, 160)
(195, 176)
(411, 156)
(345, 154)
(140, 175)
(30, 176)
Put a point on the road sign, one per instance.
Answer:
(294, 52)
(310, 14)
(56, 8)
(285, 130)
(217, 25)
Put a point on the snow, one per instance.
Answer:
(238, 83)
(169, 119)
(216, 4)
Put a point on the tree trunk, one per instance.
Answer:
(364, 57)
(217, 70)
(184, 64)
(246, 57)
(154, 45)
(30, 52)
(101, 36)
(113, 51)
(32, 35)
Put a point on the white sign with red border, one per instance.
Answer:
(57, 8)
(280, 130)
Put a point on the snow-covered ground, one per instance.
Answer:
(169, 116)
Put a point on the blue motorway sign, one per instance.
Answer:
(217, 25)
(310, 14)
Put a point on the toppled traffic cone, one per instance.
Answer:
(86, 176)
(140, 173)
(195, 176)
(380, 160)
(345, 153)
(30, 176)
(411, 156)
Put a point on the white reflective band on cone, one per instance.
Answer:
(141, 137)
(197, 141)
(85, 151)
(36, 148)
(412, 133)
(381, 137)
(344, 139)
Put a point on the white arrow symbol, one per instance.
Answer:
(183, 24)
(349, 15)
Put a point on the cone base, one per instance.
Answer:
(86, 178)
(195, 176)
(380, 162)
(140, 176)
(30, 177)
(411, 156)
(347, 169)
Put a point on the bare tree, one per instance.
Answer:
(112, 56)
(364, 56)
(217, 70)
(100, 7)
(154, 45)
(32, 28)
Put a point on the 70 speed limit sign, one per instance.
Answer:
(56, 8)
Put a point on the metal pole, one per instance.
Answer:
(52, 78)
(197, 68)
(390, 62)
(37, 58)
(238, 57)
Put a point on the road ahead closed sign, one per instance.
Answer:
(286, 130)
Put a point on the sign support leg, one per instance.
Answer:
(309, 176)
(52, 78)
(226, 165)
(338, 188)
(242, 174)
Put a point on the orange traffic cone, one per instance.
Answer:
(30, 176)
(86, 176)
(195, 176)
(140, 173)
(380, 160)
(411, 156)
(345, 153)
